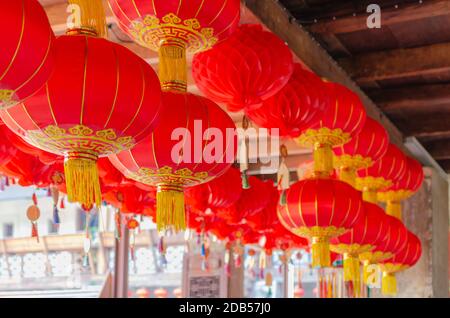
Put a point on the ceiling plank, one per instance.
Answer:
(433, 97)
(279, 21)
(398, 63)
(445, 164)
(389, 16)
(439, 149)
(424, 124)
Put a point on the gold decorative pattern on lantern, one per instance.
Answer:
(351, 249)
(323, 136)
(6, 97)
(317, 231)
(392, 267)
(352, 162)
(167, 176)
(150, 32)
(372, 183)
(375, 257)
(394, 195)
(79, 138)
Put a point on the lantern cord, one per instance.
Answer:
(173, 66)
(170, 210)
(92, 18)
(394, 209)
(320, 252)
(389, 284)
(34, 231)
(82, 180)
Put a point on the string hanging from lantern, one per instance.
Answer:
(243, 154)
(283, 175)
(33, 214)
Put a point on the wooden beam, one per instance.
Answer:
(436, 96)
(423, 124)
(439, 149)
(278, 19)
(445, 164)
(398, 63)
(389, 16)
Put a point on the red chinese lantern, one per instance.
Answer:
(402, 260)
(382, 174)
(320, 209)
(7, 149)
(100, 99)
(298, 106)
(342, 120)
(251, 201)
(404, 188)
(26, 61)
(174, 27)
(246, 69)
(109, 175)
(173, 165)
(396, 240)
(362, 151)
(367, 234)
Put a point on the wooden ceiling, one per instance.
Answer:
(404, 66)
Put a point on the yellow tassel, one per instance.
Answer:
(92, 18)
(389, 284)
(320, 252)
(348, 175)
(351, 269)
(173, 66)
(170, 211)
(370, 196)
(82, 181)
(323, 160)
(394, 209)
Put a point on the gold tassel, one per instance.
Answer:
(173, 66)
(170, 209)
(352, 273)
(389, 284)
(82, 181)
(323, 160)
(394, 209)
(320, 252)
(348, 175)
(92, 18)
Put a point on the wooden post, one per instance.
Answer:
(236, 279)
(122, 248)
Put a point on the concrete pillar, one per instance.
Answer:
(426, 214)
(122, 249)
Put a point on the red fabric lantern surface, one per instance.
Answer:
(198, 24)
(299, 105)
(21, 167)
(249, 67)
(221, 192)
(342, 120)
(403, 188)
(128, 198)
(251, 201)
(320, 209)
(362, 151)
(7, 149)
(26, 61)
(266, 220)
(402, 260)
(101, 99)
(382, 174)
(173, 165)
(367, 234)
(108, 174)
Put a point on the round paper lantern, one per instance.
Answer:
(174, 27)
(298, 106)
(402, 260)
(265, 220)
(382, 174)
(396, 239)
(7, 149)
(251, 201)
(26, 61)
(320, 209)
(403, 188)
(244, 70)
(200, 151)
(101, 99)
(362, 151)
(343, 119)
(367, 234)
